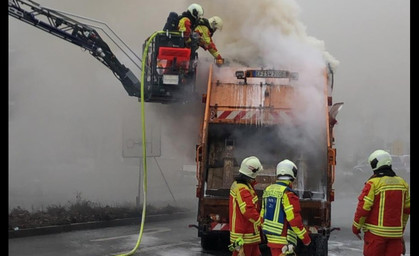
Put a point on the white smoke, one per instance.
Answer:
(265, 32)
(269, 34)
(66, 109)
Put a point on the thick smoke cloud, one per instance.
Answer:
(70, 118)
(267, 33)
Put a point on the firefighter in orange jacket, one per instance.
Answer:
(244, 217)
(206, 29)
(383, 209)
(282, 222)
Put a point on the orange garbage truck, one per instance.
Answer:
(273, 115)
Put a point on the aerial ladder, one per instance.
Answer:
(85, 35)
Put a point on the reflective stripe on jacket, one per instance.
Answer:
(205, 40)
(244, 217)
(185, 26)
(282, 222)
(383, 206)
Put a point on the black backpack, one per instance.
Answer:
(172, 22)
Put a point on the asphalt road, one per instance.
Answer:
(169, 237)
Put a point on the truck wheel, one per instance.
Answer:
(317, 247)
(208, 242)
(320, 245)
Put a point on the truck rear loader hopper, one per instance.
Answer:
(257, 112)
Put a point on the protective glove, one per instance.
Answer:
(237, 245)
(195, 36)
(219, 61)
(288, 249)
(357, 232)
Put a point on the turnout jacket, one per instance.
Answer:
(244, 216)
(205, 32)
(187, 24)
(282, 222)
(383, 205)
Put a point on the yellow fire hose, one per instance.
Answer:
(140, 235)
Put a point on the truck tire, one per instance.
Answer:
(215, 242)
(208, 242)
(317, 247)
(320, 245)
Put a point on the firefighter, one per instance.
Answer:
(206, 29)
(189, 20)
(282, 222)
(244, 217)
(383, 209)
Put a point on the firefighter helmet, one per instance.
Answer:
(216, 23)
(286, 169)
(250, 167)
(379, 158)
(196, 10)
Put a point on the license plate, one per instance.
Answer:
(270, 73)
(170, 79)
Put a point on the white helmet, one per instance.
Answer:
(250, 167)
(379, 158)
(286, 170)
(196, 10)
(216, 23)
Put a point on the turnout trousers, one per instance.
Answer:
(382, 246)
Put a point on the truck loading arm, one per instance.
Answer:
(54, 22)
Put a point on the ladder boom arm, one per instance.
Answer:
(75, 32)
